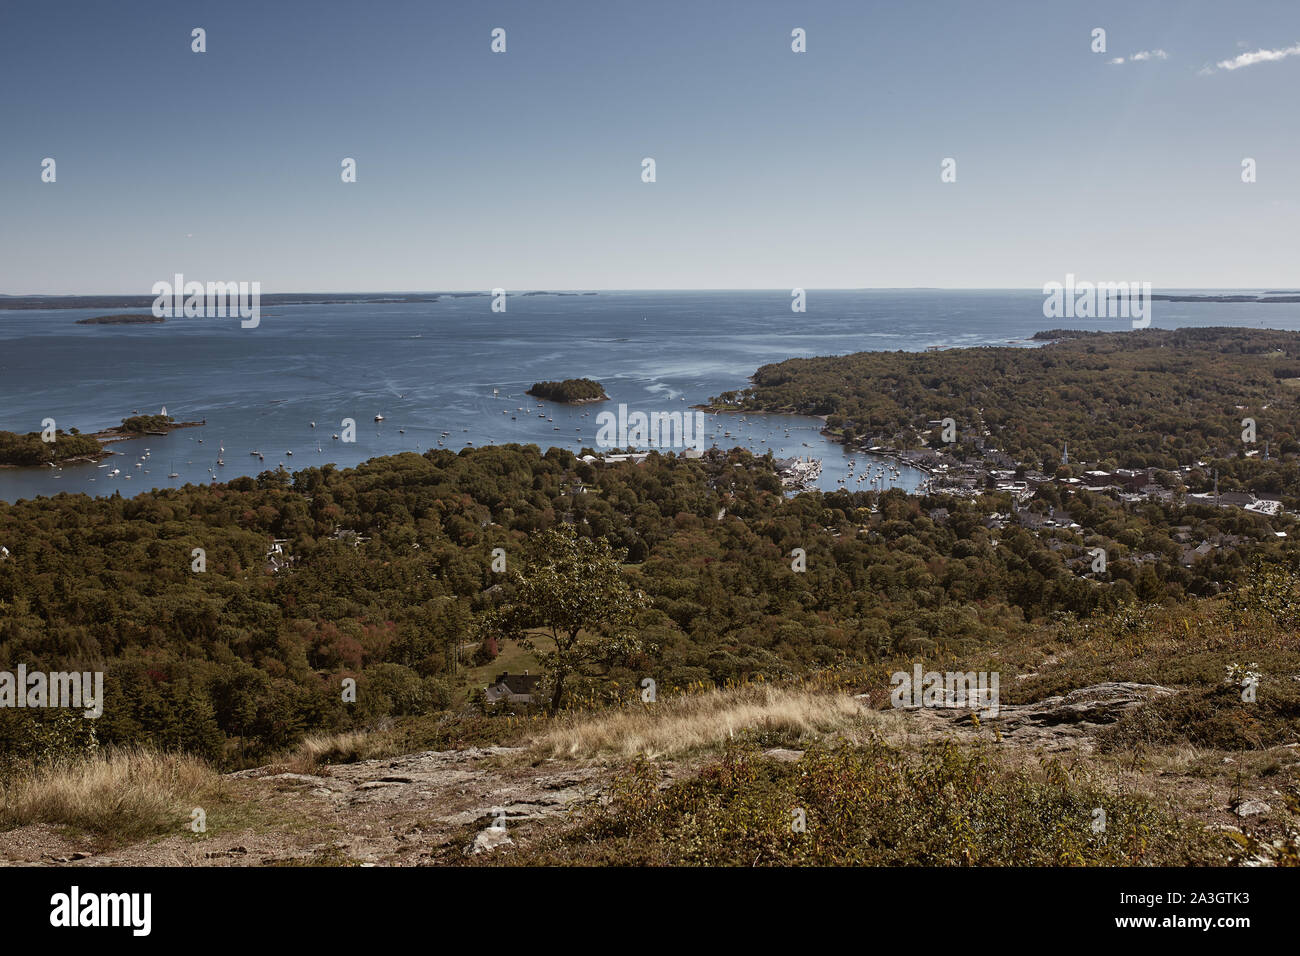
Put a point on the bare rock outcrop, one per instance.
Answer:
(1063, 722)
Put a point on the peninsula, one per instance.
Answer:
(31, 449)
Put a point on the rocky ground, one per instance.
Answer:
(401, 811)
(436, 806)
(1203, 784)
(1050, 725)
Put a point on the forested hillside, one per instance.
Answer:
(384, 572)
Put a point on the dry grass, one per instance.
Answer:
(349, 747)
(700, 721)
(117, 795)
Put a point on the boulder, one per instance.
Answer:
(488, 840)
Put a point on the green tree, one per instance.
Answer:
(575, 593)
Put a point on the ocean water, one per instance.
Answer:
(455, 367)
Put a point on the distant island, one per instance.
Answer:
(572, 391)
(1266, 297)
(45, 302)
(125, 319)
(19, 451)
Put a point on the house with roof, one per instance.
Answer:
(1191, 554)
(1060, 518)
(514, 688)
(277, 556)
(1030, 519)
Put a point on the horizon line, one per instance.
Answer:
(1277, 288)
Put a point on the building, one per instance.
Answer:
(1237, 499)
(277, 556)
(1030, 519)
(515, 688)
(798, 472)
(1190, 555)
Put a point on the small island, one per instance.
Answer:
(572, 391)
(29, 450)
(125, 319)
(138, 425)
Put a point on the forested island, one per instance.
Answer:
(124, 319)
(572, 391)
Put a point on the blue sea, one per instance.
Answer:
(455, 372)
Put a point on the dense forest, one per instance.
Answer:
(384, 573)
(27, 450)
(570, 390)
(141, 424)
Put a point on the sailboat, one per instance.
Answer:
(174, 473)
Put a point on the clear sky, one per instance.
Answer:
(523, 169)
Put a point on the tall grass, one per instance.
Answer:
(351, 746)
(772, 715)
(117, 795)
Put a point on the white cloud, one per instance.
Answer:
(1259, 56)
(1141, 55)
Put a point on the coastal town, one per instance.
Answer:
(1039, 502)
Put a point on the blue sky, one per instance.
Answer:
(523, 170)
